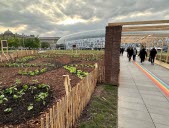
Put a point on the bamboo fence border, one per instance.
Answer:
(17, 54)
(68, 109)
(65, 112)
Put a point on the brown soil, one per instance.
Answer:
(53, 77)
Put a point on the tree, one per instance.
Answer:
(32, 43)
(45, 45)
(13, 42)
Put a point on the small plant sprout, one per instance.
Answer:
(15, 97)
(35, 81)
(8, 110)
(43, 70)
(17, 81)
(3, 98)
(25, 87)
(30, 107)
(44, 86)
(32, 88)
(36, 71)
(41, 97)
(10, 90)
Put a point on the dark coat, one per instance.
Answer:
(153, 52)
(130, 51)
(143, 53)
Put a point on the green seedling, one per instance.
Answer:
(36, 71)
(73, 70)
(32, 88)
(31, 73)
(7, 110)
(35, 81)
(17, 81)
(15, 97)
(44, 86)
(25, 87)
(20, 93)
(3, 98)
(30, 107)
(10, 90)
(41, 96)
(43, 70)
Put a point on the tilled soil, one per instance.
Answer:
(53, 78)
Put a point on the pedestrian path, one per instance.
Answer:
(143, 96)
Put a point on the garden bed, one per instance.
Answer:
(10, 74)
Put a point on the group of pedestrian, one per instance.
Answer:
(131, 52)
(121, 51)
(142, 54)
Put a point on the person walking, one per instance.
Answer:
(130, 52)
(134, 54)
(121, 51)
(153, 53)
(143, 54)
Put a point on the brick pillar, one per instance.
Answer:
(112, 52)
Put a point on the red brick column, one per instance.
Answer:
(112, 52)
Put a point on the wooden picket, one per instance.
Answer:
(17, 54)
(68, 109)
(65, 112)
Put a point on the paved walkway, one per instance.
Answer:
(142, 104)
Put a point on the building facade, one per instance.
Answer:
(51, 40)
(94, 39)
(8, 34)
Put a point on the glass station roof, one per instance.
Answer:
(82, 35)
(94, 34)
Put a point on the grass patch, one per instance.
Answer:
(101, 112)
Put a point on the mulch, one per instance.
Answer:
(53, 78)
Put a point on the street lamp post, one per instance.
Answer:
(23, 40)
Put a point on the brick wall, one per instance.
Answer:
(112, 47)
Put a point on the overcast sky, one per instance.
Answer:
(62, 17)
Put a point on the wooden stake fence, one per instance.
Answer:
(18, 54)
(68, 109)
(65, 112)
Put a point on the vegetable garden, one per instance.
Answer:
(45, 90)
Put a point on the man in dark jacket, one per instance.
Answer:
(134, 53)
(143, 54)
(153, 53)
(129, 52)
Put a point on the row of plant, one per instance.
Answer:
(11, 64)
(49, 55)
(82, 65)
(32, 73)
(25, 59)
(74, 70)
(89, 57)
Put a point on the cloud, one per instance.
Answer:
(61, 17)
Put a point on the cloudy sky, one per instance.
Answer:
(62, 17)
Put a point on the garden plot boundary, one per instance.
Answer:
(17, 54)
(65, 112)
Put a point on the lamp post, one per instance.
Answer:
(23, 40)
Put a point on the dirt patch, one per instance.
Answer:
(52, 77)
(21, 104)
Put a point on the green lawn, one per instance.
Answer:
(102, 109)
